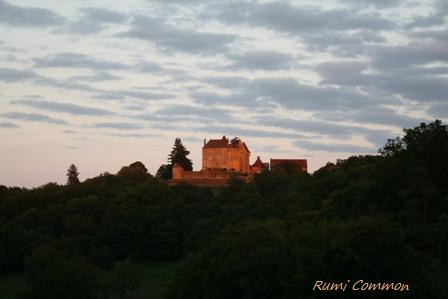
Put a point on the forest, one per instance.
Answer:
(379, 218)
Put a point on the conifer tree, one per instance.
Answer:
(72, 175)
(179, 155)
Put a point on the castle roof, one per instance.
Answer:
(224, 143)
(258, 163)
(301, 163)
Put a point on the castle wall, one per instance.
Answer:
(232, 158)
(239, 160)
(214, 158)
(178, 172)
(206, 174)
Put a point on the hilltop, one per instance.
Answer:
(376, 218)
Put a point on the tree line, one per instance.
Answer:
(377, 218)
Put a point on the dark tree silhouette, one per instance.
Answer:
(135, 171)
(136, 167)
(124, 278)
(164, 172)
(72, 175)
(179, 155)
(378, 217)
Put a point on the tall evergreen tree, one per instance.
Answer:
(179, 155)
(72, 175)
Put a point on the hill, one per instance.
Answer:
(377, 218)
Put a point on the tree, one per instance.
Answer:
(124, 278)
(135, 171)
(164, 172)
(426, 146)
(134, 168)
(72, 175)
(179, 155)
(392, 147)
(53, 274)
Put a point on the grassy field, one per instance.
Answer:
(156, 277)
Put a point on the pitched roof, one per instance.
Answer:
(245, 146)
(223, 142)
(258, 163)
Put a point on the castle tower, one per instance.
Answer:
(230, 155)
(178, 172)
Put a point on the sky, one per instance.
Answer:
(102, 84)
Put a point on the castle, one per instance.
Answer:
(223, 159)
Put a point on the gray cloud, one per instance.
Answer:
(63, 107)
(69, 132)
(75, 60)
(374, 4)
(169, 37)
(440, 35)
(8, 125)
(398, 72)
(13, 75)
(342, 43)
(373, 115)
(83, 61)
(63, 84)
(70, 147)
(133, 94)
(94, 20)
(194, 112)
(284, 17)
(119, 125)
(421, 89)
(238, 129)
(34, 117)
(292, 94)
(322, 128)
(149, 67)
(265, 60)
(335, 148)
(416, 53)
(289, 93)
(342, 103)
(313, 126)
(439, 110)
(230, 82)
(191, 139)
(96, 77)
(133, 135)
(13, 15)
(436, 18)
(103, 15)
(352, 69)
(241, 131)
(427, 21)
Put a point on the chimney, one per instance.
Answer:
(204, 141)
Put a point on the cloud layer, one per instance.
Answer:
(336, 77)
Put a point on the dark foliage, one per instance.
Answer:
(377, 218)
(165, 172)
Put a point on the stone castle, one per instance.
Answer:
(223, 159)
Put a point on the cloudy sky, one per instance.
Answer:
(106, 84)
